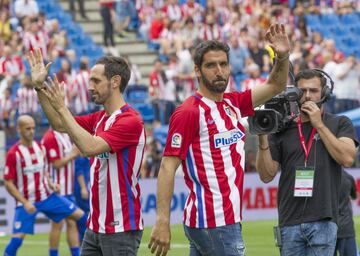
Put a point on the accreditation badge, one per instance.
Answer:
(304, 181)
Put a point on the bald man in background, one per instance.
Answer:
(26, 180)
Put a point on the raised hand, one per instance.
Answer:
(54, 92)
(38, 69)
(278, 39)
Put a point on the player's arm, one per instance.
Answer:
(65, 160)
(39, 73)
(88, 144)
(265, 165)
(342, 149)
(83, 190)
(278, 77)
(14, 192)
(160, 235)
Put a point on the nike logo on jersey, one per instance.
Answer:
(227, 138)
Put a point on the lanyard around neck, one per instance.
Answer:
(302, 139)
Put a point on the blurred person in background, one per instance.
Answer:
(26, 179)
(107, 13)
(162, 90)
(11, 65)
(135, 75)
(35, 37)
(26, 99)
(60, 154)
(255, 79)
(79, 89)
(239, 57)
(209, 29)
(82, 187)
(5, 26)
(259, 55)
(7, 109)
(346, 242)
(26, 8)
(81, 9)
(347, 88)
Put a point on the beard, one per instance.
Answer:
(218, 85)
(100, 99)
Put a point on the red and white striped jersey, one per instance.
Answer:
(27, 100)
(6, 106)
(115, 192)
(210, 32)
(39, 40)
(11, 66)
(209, 139)
(193, 10)
(58, 145)
(26, 166)
(80, 87)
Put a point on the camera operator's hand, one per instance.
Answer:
(279, 40)
(313, 111)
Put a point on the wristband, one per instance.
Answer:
(283, 58)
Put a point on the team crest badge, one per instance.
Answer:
(52, 152)
(176, 140)
(229, 112)
(17, 224)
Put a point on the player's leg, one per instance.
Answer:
(23, 224)
(54, 237)
(72, 237)
(58, 208)
(14, 244)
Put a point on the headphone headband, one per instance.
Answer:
(328, 78)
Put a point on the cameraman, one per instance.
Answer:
(310, 154)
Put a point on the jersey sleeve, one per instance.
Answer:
(51, 146)
(183, 128)
(125, 132)
(10, 166)
(346, 129)
(243, 101)
(87, 122)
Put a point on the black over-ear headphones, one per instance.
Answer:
(328, 88)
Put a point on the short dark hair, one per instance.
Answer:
(206, 46)
(116, 66)
(308, 74)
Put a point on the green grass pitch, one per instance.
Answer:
(258, 238)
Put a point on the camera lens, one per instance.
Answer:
(264, 121)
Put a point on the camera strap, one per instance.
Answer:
(302, 139)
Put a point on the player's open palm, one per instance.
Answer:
(38, 69)
(278, 39)
(55, 93)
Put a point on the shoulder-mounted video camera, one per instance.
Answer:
(278, 113)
